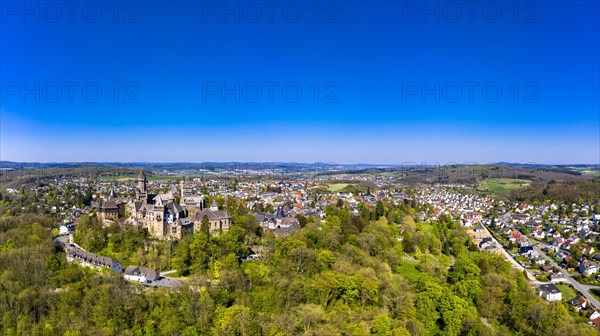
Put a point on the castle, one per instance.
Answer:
(161, 215)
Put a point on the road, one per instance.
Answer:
(167, 272)
(62, 239)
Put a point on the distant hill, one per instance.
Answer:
(472, 174)
(571, 191)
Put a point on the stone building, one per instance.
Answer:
(218, 220)
(108, 211)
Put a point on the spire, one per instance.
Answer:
(214, 206)
(280, 212)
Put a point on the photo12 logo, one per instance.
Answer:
(470, 92)
(69, 92)
(469, 12)
(69, 11)
(270, 92)
(224, 12)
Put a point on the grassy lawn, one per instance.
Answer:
(567, 292)
(337, 187)
(595, 293)
(409, 271)
(500, 186)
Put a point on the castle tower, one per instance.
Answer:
(141, 184)
(142, 191)
(186, 190)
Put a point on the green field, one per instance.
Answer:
(592, 173)
(501, 186)
(337, 187)
(409, 271)
(567, 292)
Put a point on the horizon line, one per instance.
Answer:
(412, 163)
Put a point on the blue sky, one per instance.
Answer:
(379, 81)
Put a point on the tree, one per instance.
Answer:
(182, 258)
(464, 269)
(257, 273)
(309, 315)
(382, 325)
(576, 253)
(301, 219)
(235, 320)
(205, 226)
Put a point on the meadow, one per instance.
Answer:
(501, 186)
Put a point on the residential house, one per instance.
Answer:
(591, 313)
(538, 261)
(140, 274)
(586, 250)
(550, 292)
(588, 268)
(66, 228)
(539, 234)
(485, 242)
(579, 303)
(557, 277)
(526, 249)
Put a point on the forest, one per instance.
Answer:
(375, 273)
(575, 191)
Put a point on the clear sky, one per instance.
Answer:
(304, 81)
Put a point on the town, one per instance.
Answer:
(137, 225)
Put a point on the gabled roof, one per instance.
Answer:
(148, 273)
(264, 217)
(174, 208)
(90, 257)
(550, 288)
(212, 214)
